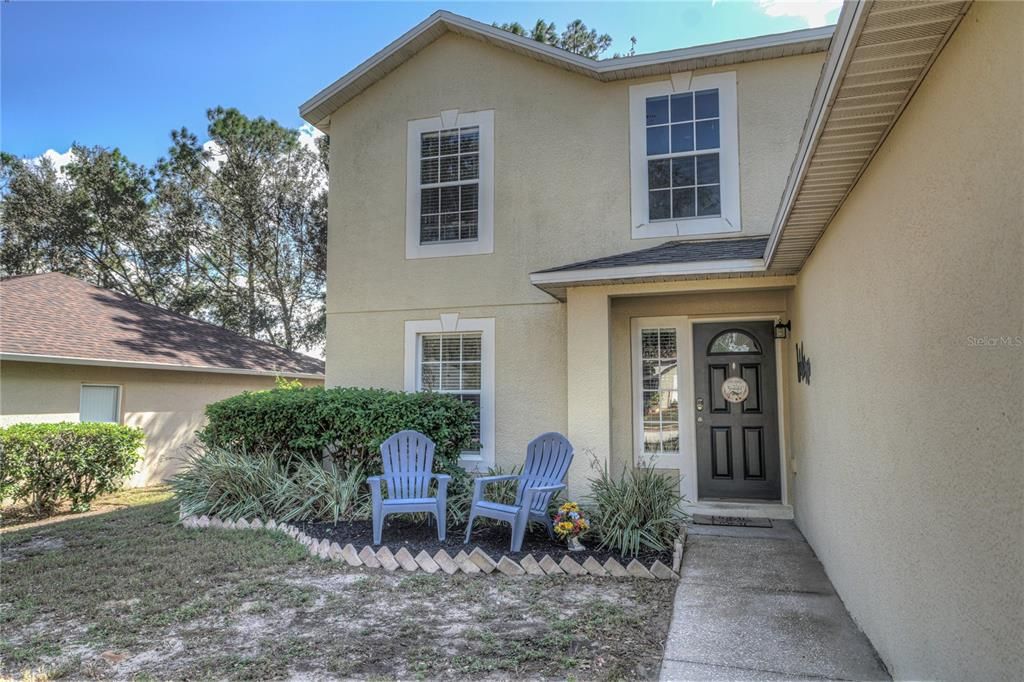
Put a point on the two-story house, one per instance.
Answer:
(633, 251)
(479, 180)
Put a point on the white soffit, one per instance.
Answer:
(881, 52)
(318, 108)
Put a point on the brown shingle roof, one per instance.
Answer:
(56, 315)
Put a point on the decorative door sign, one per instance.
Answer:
(735, 389)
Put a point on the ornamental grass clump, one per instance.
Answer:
(234, 484)
(641, 509)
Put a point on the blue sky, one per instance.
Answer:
(124, 74)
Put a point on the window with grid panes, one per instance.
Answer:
(449, 185)
(683, 144)
(450, 363)
(660, 376)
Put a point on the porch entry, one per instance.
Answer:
(735, 411)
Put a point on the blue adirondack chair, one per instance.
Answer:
(408, 461)
(548, 457)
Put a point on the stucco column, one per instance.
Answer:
(588, 358)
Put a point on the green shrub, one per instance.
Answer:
(45, 464)
(296, 426)
(235, 484)
(347, 423)
(639, 509)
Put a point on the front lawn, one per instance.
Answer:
(129, 594)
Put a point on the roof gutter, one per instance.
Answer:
(132, 364)
(648, 271)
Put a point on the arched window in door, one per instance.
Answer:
(733, 342)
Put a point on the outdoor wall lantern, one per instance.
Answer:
(782, 329)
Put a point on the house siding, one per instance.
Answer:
(907, 442)
(561, 172)
(168, 405)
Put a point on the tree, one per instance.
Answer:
(91, 221)
(252, 201)
(233, 231)
(583, 41)
(576, 37)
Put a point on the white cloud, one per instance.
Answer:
(58, 160)
(217, 157)
(308, 135)
(813, 12)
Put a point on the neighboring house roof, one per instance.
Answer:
(318, 108)
(880, 54)
(56, 318)
(670, 260)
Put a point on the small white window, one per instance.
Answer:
(100, 403)
(450, 188)
(455, 355)
(661, 389)
(683, 156)
(450, 363)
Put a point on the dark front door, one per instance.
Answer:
(738, 429)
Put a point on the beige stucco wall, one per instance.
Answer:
(167, 405)
(561, 172)
(909, 441)
(561, 195)
(530, 366)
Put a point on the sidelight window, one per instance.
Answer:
(662, 387)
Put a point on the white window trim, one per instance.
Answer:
(484, 243)
(453, 323)
(120, 392)
(685, 355)
(729, 161)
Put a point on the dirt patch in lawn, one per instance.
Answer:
(493, 539)
(132, 595)
(37, 544)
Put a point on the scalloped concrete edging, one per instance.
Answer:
(475, 562)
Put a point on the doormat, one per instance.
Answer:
(704, 520)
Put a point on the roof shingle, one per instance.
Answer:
(56, 315)
(675, 252)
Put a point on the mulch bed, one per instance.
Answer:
(495, 540)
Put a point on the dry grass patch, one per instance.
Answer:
(131, 595)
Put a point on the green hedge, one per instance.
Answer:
(43, 465)
(348, 423)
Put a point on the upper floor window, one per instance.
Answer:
(683, 155)
(450, 187)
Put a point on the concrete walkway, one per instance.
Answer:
(755, 604)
